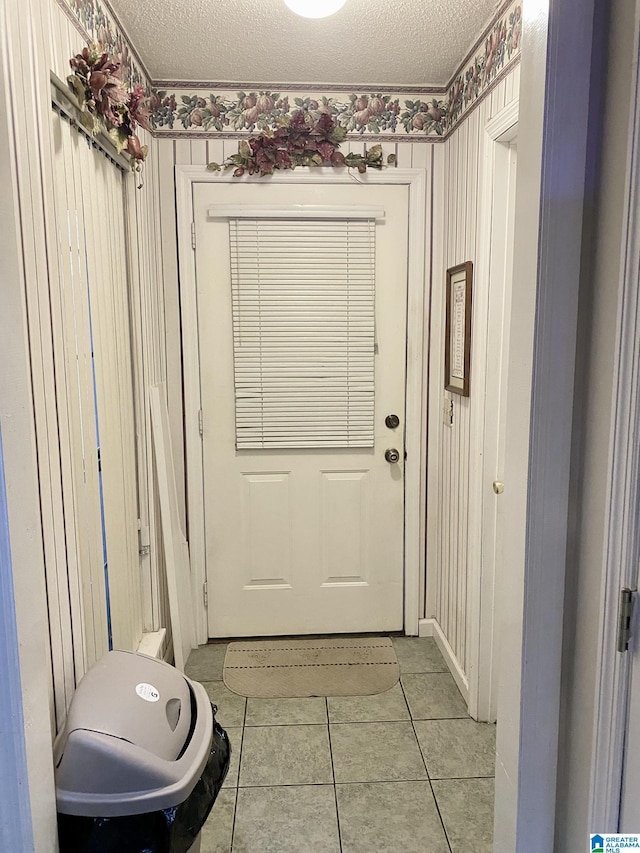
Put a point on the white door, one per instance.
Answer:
(302, 540)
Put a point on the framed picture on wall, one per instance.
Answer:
(457, 354)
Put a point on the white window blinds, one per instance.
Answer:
(303, 330)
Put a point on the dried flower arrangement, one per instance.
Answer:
(299, 141)
(106, 102)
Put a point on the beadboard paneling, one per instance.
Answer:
(38, 36)
(452, 555)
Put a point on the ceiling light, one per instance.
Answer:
(315, 8)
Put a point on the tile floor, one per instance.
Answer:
(406, 771)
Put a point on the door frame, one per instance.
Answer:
(555, 93)
(484, 581)
(416, 382)
(622, 537)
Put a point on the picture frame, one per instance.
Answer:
(457, 353)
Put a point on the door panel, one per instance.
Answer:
(344, 514)
(301, 541)
(267, 509)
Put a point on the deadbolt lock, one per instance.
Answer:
(392, 421)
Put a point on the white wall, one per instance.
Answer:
(18, 435)
(452, 552)
(35, 37)
(147, 307)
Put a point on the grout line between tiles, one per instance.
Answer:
(438, 719)
(295, 785)
(333, 773)
(433, 793)
(279, 725)
(237, 787)
(459, 778)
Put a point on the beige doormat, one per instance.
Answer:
(287, 669)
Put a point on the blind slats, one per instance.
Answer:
(303, 332)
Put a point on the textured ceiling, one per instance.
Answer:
(368, 42)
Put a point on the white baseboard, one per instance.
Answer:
(425, 627)
(152, 643)
(431, 628)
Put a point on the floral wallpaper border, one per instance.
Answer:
(501, 47)
(95, 20)
(215, 110)
(240, 112)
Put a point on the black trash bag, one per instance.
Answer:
(171, 830)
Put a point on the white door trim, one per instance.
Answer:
(547, 264)
(622, 537)
(417, 347)
(492, 250)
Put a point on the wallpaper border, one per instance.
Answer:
(95, 20)
(205, 110)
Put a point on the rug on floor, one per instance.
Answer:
(289, 669)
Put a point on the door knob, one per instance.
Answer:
(392, 455)
(392, 421)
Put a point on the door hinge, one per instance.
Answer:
(200, 422)
(144, 539)
(625, 615)
(205, 594)
(193, 235)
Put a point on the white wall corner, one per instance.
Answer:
(431, 628)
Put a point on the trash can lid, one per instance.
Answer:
(136, 738)
(137, 698)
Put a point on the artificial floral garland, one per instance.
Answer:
(107, 104)
(299, 141)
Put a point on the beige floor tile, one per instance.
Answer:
(418, 654)
(376, 752)
(230, 705)
(285, 755)
(457, 748)
(389, 817)
(466, 806)
(205, 663)
(217, 831)
(235, 739)
(286, 820)
(286, 712)
(360, 709)
(433, 696)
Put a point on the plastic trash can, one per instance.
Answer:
(140, 761)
